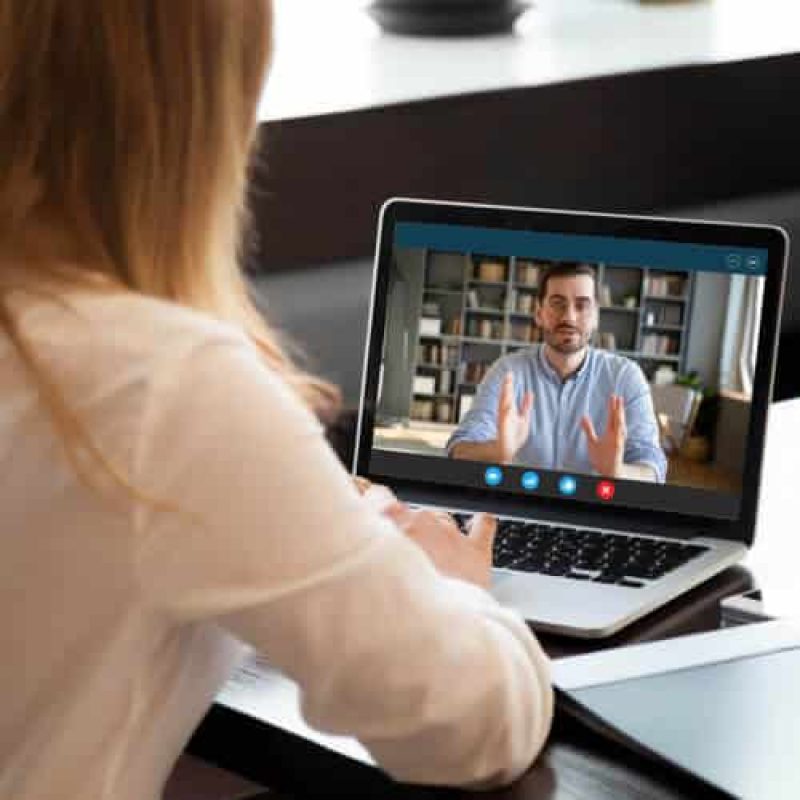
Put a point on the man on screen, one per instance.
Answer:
(563, 404)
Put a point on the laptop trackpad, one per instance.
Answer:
(563, 605)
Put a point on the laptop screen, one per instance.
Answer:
(581, 363)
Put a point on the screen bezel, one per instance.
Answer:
(771, 238)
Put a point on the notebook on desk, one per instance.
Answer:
(583, 548)
(722, 706)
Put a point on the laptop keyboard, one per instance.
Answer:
(586, 555)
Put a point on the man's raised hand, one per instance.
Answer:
(513, 424)
(607, 452)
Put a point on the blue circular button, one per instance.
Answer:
(530, 480)
(567, 484)
(493, 476)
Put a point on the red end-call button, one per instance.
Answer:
(605, 490)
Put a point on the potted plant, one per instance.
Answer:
(699, 441)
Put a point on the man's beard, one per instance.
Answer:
(553, 340)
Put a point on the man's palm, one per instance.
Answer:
(513, 424)
(607, 452)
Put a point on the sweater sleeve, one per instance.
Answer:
(439, 682)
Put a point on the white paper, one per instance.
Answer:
(265, 694)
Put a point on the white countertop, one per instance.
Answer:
(330, 56)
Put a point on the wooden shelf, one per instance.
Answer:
(664, 327)
(480, 340)
(492, 284)
(493, 312)
(667, 298)
(638, 354)
(439, 336)
(653, 357)
(618, 352)
(634, 310)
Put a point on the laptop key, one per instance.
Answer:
(503, 559)
(556, 570)
(579, 576)
(608, 577)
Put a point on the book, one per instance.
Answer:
(430, 326)
(464, 405)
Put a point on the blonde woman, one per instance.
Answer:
(167, 493)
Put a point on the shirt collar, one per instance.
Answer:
(554, 376)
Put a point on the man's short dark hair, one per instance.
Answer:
(566, 269)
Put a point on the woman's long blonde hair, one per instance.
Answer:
(126, 128)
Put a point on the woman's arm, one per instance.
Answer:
(436, 679)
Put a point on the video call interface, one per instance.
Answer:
(586, 368)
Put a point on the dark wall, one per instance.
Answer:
(692, 138)
(641, 141)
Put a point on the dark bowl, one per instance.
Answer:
(447, 17)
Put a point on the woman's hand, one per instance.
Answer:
(362, 484)
(466, 557)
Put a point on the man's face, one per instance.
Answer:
(568, 314)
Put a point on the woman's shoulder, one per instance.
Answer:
(123, 324)
(118, 344)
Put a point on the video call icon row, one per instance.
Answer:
(567, 484)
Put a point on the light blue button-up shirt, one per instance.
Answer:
(557, 440)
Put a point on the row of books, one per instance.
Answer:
(665, 285)
(442, 410)
(660, 344)
(663, 315)
(525, 331)
(444, 381)
(441, 354)
(526, 272)
(475, 371)
(521, 301)
(476, 300)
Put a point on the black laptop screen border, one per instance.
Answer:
(574, 510)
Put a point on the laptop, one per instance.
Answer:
(661, 332)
